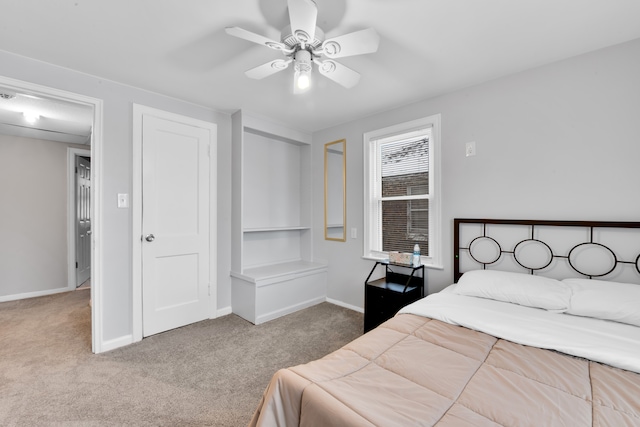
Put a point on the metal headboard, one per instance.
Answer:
(629, 258)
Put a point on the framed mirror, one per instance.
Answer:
(335, 190)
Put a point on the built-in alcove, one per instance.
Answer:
(273, 272)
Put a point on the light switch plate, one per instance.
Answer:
(123, 200)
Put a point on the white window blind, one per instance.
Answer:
(405, 157)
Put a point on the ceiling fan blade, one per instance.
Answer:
(303, 15)
(356, 43)
(256, 38)
(339, 73)
(265, 70)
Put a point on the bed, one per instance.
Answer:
(540, 328)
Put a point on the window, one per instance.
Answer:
(402, 190)
(418, 213)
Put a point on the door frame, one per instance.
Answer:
(97, 173)
(72, 197)
(139, 111)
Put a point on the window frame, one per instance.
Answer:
(372, 179)
(411, 210)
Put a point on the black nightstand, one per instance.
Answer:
(384, 297)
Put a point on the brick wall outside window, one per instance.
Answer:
(403, 225)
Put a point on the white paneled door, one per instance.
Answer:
(83, 220)
(175, 224)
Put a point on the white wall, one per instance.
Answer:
(117, 167)
(557, 142)
(33, 217)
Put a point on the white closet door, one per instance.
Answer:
(175, 224)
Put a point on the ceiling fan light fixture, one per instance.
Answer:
(304, 44)
(302, 66)
(303, 80)
(31, 118)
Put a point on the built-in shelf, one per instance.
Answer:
(272, 268)
(269, 229)
(274, 271)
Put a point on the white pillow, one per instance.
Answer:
(517, 288)
(615, 301)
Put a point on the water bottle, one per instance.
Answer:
(416, 255)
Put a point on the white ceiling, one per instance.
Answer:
(427, 47)
(55, 120)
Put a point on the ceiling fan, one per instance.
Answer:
(304, 44)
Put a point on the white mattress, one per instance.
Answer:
(613, 343)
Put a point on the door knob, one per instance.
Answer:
(149, 237)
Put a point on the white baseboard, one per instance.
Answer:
(223, 311)
(5, 298)
(128, 339)
(116, 343)
(345, 305)
(288, 310)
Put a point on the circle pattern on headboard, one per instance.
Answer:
(485, 250)
(533, 254)
(589, 259)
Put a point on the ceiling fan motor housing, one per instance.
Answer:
(292, 42)
(302, 60)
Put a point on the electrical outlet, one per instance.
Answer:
(470, 148)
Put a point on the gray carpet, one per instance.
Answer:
(211, 373)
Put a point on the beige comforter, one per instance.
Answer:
(414, 371)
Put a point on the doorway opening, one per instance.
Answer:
(91, 148)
